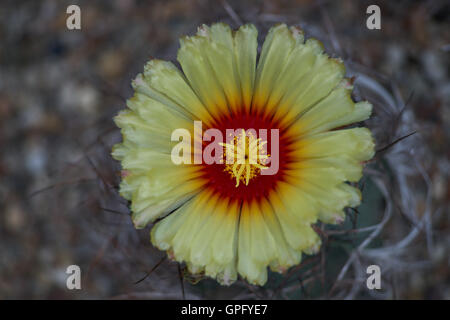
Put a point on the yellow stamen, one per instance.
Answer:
(249, 156)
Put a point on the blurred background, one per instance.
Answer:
(60, 88)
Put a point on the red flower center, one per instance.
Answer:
(219, 178)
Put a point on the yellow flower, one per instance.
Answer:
(224, 219)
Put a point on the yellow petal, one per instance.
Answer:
(245, 50)
(336, 110)
(278, 44)
(163, 81)
(193, 58)
(356, 143)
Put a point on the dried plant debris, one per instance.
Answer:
(59, 189)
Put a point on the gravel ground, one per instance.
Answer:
(59, 90)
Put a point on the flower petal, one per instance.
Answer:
(275, 51)
(193, 58)
(335, 110)
(356, 143)
(245, 49)
(163, 82)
